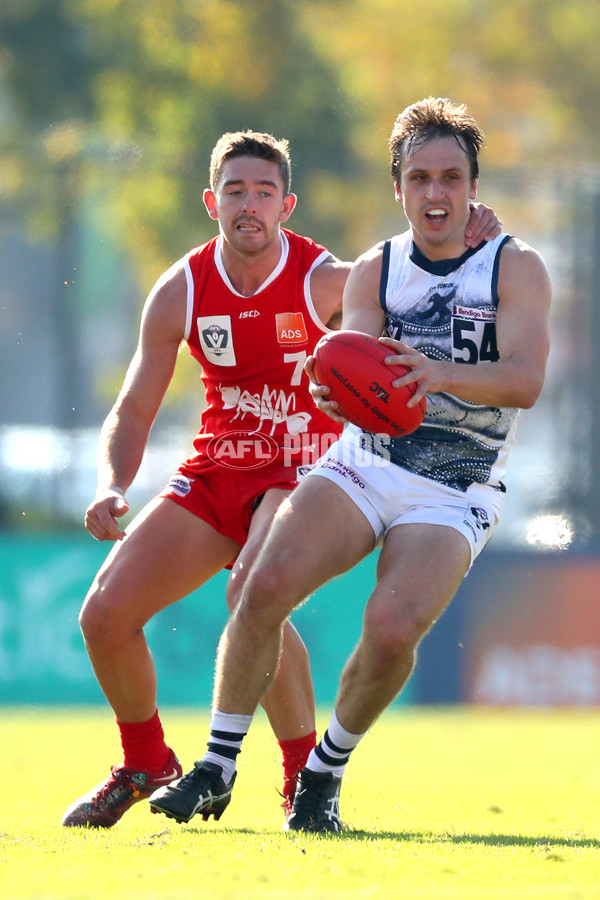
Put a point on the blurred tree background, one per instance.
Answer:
(110, 108)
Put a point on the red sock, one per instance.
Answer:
(294, 755)
(144, 748)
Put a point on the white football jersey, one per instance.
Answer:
(447, 310)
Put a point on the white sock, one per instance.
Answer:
(227, 731)
(333, 751)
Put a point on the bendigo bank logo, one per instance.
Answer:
(243, 450)
(291, 328)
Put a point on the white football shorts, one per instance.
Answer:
(389, 495)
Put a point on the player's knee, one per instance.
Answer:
(260, 591)
(99, 619)
(92, 620)
(233, 591)
(392, 635)
(264, 595)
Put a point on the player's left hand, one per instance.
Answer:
(426, 372)
(483, 225)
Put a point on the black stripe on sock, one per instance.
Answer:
(333, 746)
(223, 750)
(329, 760)
(229, 735)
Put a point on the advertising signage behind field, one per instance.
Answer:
(524, 630)
(532, 632)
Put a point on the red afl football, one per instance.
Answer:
(352, 365)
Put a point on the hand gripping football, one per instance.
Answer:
(351, 364)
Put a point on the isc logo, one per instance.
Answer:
(243, 450)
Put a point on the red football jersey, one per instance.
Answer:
(252, 350)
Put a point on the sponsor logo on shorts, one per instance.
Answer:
(243, 450)
(343, 470)
(180, 485)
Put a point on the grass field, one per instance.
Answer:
(457, 803)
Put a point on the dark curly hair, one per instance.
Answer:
(430, 118)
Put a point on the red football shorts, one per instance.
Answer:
(224, 497)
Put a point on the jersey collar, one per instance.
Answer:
(440, 266)
(285, 249)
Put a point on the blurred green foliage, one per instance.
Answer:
(122, 101)
(110, 108)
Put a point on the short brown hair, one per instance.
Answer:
(430, 118)
(251, 143)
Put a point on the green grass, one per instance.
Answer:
(461, 803)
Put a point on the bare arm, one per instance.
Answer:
(125, 431)
(522, 331)
(327, 286)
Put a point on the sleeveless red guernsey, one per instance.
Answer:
(252, 352)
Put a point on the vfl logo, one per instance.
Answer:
(243, 450)
(380, 392)
(216, 339)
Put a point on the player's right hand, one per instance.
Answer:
(102, 513)
(320, 392)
